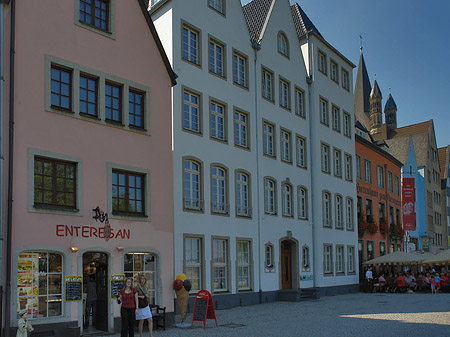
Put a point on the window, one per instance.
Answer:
(326, 209)
(380, 176)
(369, 210)
(267, 84)
(242, 194)
(285, 143)
(269, 137)
(88, 96)
(334, 71)
(61, 88)
(217, 5)
(339, 212)
(240, 72)
(345, 80)
(305, 258)
(325, 153)
(219, 190)
(193, 262)
(216, 58)
(339, 259)
(191, 48)
(136, 108)
(337, 163)
(367, 171)
(95, 13)
(243, 265)
(349, 214)
(382, 247)
(347, 125)
(323, 112)
(348, 168)
(54, 183)
(142, 263)
(192, 185)
(217, 120)
(322, 59)
(327, 259)
(381, 211)
(283, 45)
(358, 167)
(220, 264)
(336, 115)
(241, 129)
(301, 151)
(390, 182)
(300, 103)
(269, 196)
(302, 198)
(285, 99)
(128, 190)
(286, 193)
(40, 284)
(113, 102)
(191, 111)
(268, 261)
(350, 259)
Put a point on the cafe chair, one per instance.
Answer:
(159, 316)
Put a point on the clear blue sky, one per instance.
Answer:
(406, 43)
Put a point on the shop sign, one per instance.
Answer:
(91, 232)
(117, 283)
(408, 199)
(74, 288)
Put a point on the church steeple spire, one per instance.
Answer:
(361, 99)
(390, 114)
(376, 117)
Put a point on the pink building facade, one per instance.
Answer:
(92, 128)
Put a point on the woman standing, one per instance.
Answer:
(129, 300)
(144, 313)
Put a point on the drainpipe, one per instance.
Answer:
(10, 171)
(387, 205)
(256, 47)
(2, 80)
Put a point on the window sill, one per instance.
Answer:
(54, 208)
(130, 215)
(82, 114)
(137, 128)
(113, 122)
(61, 109)
(88, 25)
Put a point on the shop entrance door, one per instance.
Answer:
(286, 265)
(95, 270)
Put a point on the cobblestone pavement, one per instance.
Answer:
(342, 315)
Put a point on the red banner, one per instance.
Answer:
(408, 198)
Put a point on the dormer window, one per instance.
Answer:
(283, 45)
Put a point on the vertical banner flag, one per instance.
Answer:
(408, 198)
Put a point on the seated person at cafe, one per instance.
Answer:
(401, 283)
(411, 283)
(390, 283)
(445, 286)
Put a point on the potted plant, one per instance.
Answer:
(372, 227)
(362, 225)
(384, 228)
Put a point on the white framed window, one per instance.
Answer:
(339, 204)
(286, 195)
(397, 185)
(337, 163)
(322, 60)
(269, 138)
(348, 168)
(191, 45)
(219, 190)
(367, 171)
(380, 176)
(340, 259)
(326, 209)
(217, 121)
(192, 185)
(243, 265)
(390, 182)
(267, 84)
(347, 125)
(305, 258)
(336, 118)
(285, 143)
(240, 69)
(349, 214)
(218, 5)
(334, 71)
(269, 196)
(216, 58)
(345, 79)
(325, 158)
(323, 105)
(358, 167)
(142, 263)
(283, 44)
(285, 99)
(327, 259)
(350, 259)
(302, 198)
(191, 112)
(300, 102)
(193, 257)
(241, 129)
(269, 258)
(243, 207)
(301, 151)
(220, 265)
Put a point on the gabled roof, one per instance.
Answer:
(144, 7)
(413, 129)
(302, 23)
(256, 14)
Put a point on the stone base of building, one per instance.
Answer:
(66, 329)
(339, 290)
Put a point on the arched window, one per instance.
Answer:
(326, 209)
(243, 207)
(269, 264)
(349, 212)
(283, 44)
(305, 258)
(302, 198)
(219, 190)
(142, 263)
(192, 185)
(269, 196)
(339, 212)
(287, 199)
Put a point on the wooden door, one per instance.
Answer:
(286, 266)
(102, 293)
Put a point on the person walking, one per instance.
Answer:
(144, 313)
(129, 303)
(91, 301)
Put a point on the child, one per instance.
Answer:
(433, 284)
(438, 282)
(23, 326)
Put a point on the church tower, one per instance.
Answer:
(390, 115)
(376, 117)
(361, 102)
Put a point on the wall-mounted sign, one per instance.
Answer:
(91, 232)
(74, 288)
(408, 199)
(117, 283)
(306, 277)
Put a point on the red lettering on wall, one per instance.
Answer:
(69, 231)
(93, 231)
(77, 228)
(59, 230)
(126, 233)
(85, 231)
(90, 232)
(101, 232)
